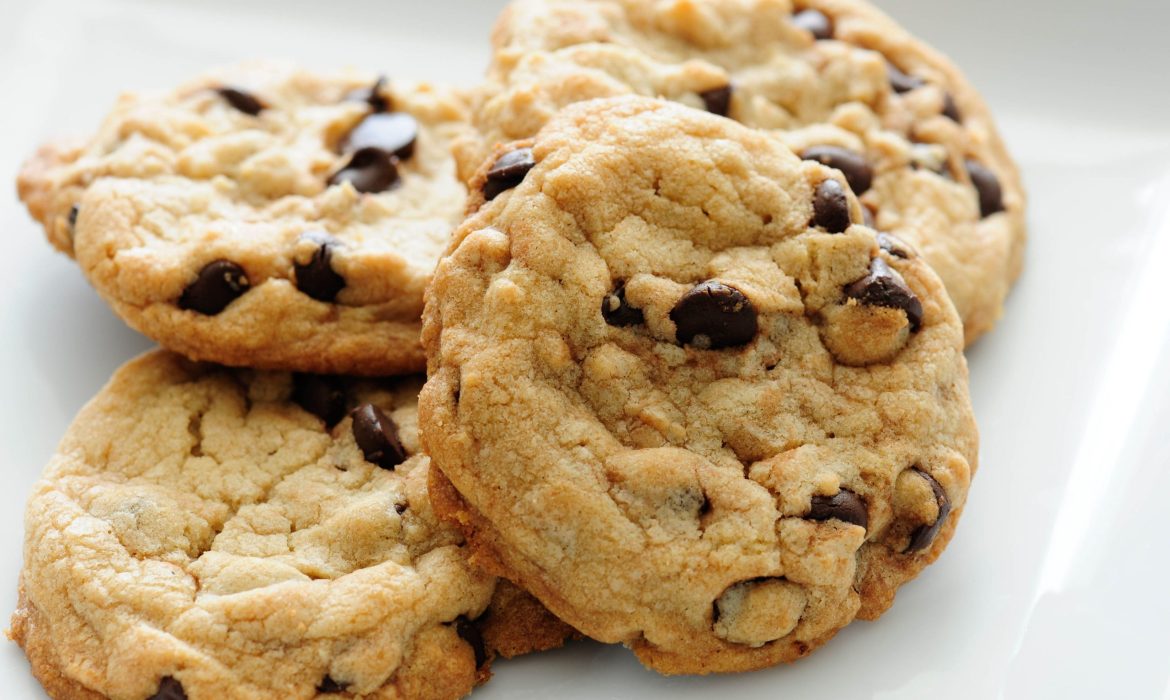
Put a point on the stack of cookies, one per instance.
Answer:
(690, 281)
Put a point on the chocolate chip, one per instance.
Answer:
(815, 22)
(845, 505)
(987, 184)
(951, 109)
(169, 688)
(851, 163)
(400, 508)
(469, 632)
(368, 170)
(831, 207)
(895, 246)
(394, 134)
(885, 287)
(219, 283)
(377, 436)
(902, 82)
(373, 96)
(317, 278)
(713, 315)
(507, 172)
(925, 534)
(243, 101)
(73, 212)
(323, 396)
(328, 685)
(718, 100)
(617, 311)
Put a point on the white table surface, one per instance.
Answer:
(1056, 585)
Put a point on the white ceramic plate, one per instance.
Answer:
(1057, 584)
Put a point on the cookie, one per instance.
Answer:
(729, 417)
(263, 216)
(836, 80)
(215, 534)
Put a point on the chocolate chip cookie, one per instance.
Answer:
(214, 534)
(837, 80)
(263, 216)
(728, 416)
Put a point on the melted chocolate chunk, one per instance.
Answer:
(617, 311)
(219, 283)
(317, 278)
(321, 395)
(377, 436)
(507, 172)
(243, 101)
(852, 165)
(718, 100)
(369, 170)
(394, 134)
(73, 212)
(951, 109)
(372, 96)
(328, 685)
(925, 534)
(845, 506)
(169, 688)
(901, 82)
(988, 187)
(885, 287)
(831, 207)
(814, 22)
(714, 315)
(469, 632)
(895, 246)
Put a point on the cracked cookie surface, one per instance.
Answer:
(729, 417)
(263, 215)
(202, 533)
(836, 80)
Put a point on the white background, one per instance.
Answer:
(1056, 585)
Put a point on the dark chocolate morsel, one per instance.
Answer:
(400, 508)
(169, 688)
(373, 96)
(885, 287)
(987, 185)
(852, 164)
(901, 82)
(328, 685)
(317, 278)
(377, 436)
(321, 395)
(814, 22)
(831, 207)
(713, 315)
(951, 109)
(394, 134)
(73, 212)
(925, 534)
(845, 505)
(507, 172)
(369, 170)
(718, 100)
(895, 246)
(219, 283)
(617, 311)
(243, 101)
